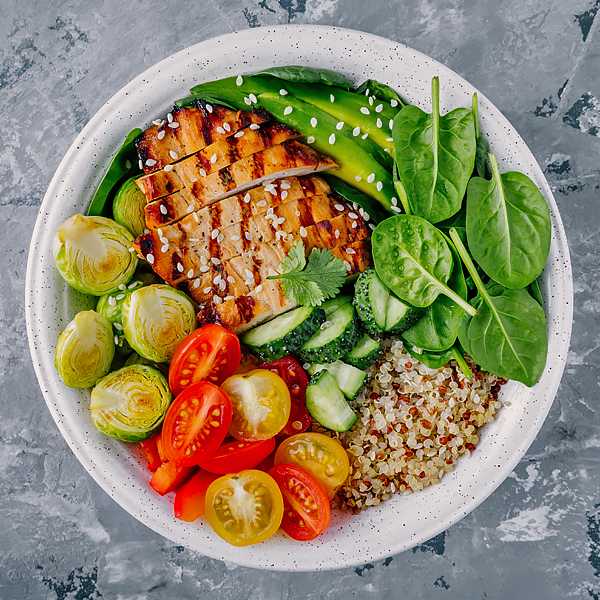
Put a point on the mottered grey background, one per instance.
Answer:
(537, 536)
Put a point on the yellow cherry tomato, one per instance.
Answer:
(319, 454)
(244, 508)
(261, 404)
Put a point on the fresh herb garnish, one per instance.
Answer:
(311, 282)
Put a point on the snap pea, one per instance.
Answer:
(370, 87)
(308, 75)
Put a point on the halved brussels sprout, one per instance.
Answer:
(128, 207)
(85, 350)
(130, 404)
(111, 307)
(155, 319)
(92, 254)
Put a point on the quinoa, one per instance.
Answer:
(413, 424)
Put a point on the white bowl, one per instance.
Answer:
(119, 468)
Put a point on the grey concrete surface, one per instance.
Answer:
(536, 537)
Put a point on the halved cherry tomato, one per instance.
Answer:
(154, 459)
(290, 370)
(306, 508)
(210, 353)
(261, 404)
(235, 456)
(190, 497)
(319, 454)
(196, 424)
(169, 477)
(244, 508)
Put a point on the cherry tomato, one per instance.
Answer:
(196, 424)
(235, 456)
(210, 353)
(295, 378)
(319, 454)
(306, 508)
(169, 477)
(244, 508)
(261, 404)
(190, 497)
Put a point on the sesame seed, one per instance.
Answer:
(280, 221)
(207, 290)
(297, 213)
(389, 139)
(252, 98)
(248, 273)
(141, 164)
(217, 279)
(395, 209)
(358, 178)
(366, 216)
(339, 125)
(204, 268)
(350, 251)
(379, 108)
(356, 131)
(173, 154)
(194, 239)
(215, 261)
(247, 198)
(122, 287)
(391, 123)
(190, 208)
(213, 234)
(379, 123)
(228, 298)
(261, 203)
(116, 340)
(340, 207)
(367, 91)
(203, 260)
(354, 224)
(332, 139)
(353, 215)
(248, 101)
(272, 272)
(332, 97)
(313, 122)
(112, 301)
(259, 288)
(222, 285)
(196, 284)
(163, 209)
(213, 159)
(239, 134)
(310, 139)
(348, 265)
(209, 108)
(254, 126)
(190, 273)
(287, 110)
(180, 267)
(371, 100)
(364, 136)
(248, 235)
(196, 218)
(283, 92)
(150, 258)
(170, 118)
(168, 168)
(118, 326)
(174, 125)
(132, 249)
(161, 134)
(217, 299)
(337, 233)
(379, 186)
(165, 248)
(235, 238)
(364, 110)
(239, 80)
(371, 178)
(303, 232)
(230, 279)
(150, 162)
(285, 185)
(202, 172)
(226, 127)
(373, 226)
(284, 195)
(158, 122)
(394, 103)
(395, 201)
(220, 238)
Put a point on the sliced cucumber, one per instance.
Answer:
(326, 403)
(335, 338)
(378, 309)
(349, 379)
(332, 305)
(366, 353)
(285, 333)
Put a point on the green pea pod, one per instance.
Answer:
(308, 75)
(125, 164)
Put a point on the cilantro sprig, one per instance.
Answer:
(311, 282)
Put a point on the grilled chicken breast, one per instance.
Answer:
(187, 130)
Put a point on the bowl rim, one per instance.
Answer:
(36, 308)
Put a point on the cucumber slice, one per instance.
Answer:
(326, 403)
(332, 305)
(378, 309)
(349, 379)
(284, 334)
(366, 353)
(332, 342)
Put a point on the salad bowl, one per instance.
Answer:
(119, 468)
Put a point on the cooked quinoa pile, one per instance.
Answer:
(414, 423)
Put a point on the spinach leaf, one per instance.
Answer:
(435, 156)
(308, 75)
(460, 359)
(458, 221)
(534, 290)
(481, 147)
(414, 260)
(433, 360)
(507, 336)
(124, 165)
(380, 91)
(400, 191)
(437, 329)
(508, 227)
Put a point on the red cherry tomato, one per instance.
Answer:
(306, 511)
(295, 378)
(190, 497)
(196, 424)
(210, 353)
(238, 456)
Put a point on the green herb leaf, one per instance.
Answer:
(309, 283)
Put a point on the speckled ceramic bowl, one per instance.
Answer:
(119, 468)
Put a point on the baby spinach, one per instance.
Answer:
(507, 336)
(437, 329)
(458, 221)
(414, 260)
(481, 147)
(380, 91)
(308, 75)
(433, 360)
(508, 227)
(435, 156)
(534, 290)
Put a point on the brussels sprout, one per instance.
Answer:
(128, 207)
(92, 254)
(85, 350)
(111, 307)
(130, 404)
(155, 319)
